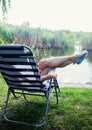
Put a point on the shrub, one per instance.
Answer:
(1, 41)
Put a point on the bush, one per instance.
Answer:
(1, 41)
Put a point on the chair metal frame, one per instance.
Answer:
(10, 51)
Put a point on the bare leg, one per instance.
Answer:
(45, 71)
(46, 64)
(56, 61)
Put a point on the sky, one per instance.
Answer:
(74, 15)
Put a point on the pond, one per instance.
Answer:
(72, 73)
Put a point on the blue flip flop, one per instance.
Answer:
(80, 59)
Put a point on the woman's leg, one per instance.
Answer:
(55, 62)
(60, 61)
(45, 71)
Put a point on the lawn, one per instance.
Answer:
(73, 112)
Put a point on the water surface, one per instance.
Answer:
(72, 73)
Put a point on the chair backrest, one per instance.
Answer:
(18, 67)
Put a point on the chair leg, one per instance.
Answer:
(6, 105)
(56, 84)
(43, 123)
(23, 94)
(16, 97)
(56, 95)
(57, 90)
(46, 112)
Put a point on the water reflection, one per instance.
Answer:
(73, 73)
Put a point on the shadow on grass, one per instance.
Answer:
(74, 111)
(31, 112)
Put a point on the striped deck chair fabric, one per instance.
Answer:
(19, 70)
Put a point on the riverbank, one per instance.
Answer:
(75, 85)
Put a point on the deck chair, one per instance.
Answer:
(19, 70)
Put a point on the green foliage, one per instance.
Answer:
(1, 41)
(68, 38)
(86, 38)
(73, 112)
(38, 37)
(5, 4)
(7, 33)
(48, 36)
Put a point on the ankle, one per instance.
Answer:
(75, 57)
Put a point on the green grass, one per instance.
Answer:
(74, 111)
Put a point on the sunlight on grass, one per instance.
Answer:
(74, 111)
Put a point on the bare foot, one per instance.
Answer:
(53, 75)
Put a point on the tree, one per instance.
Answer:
(5, 5)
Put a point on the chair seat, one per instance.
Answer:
(19, 69)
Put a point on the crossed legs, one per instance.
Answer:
(61, 61)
